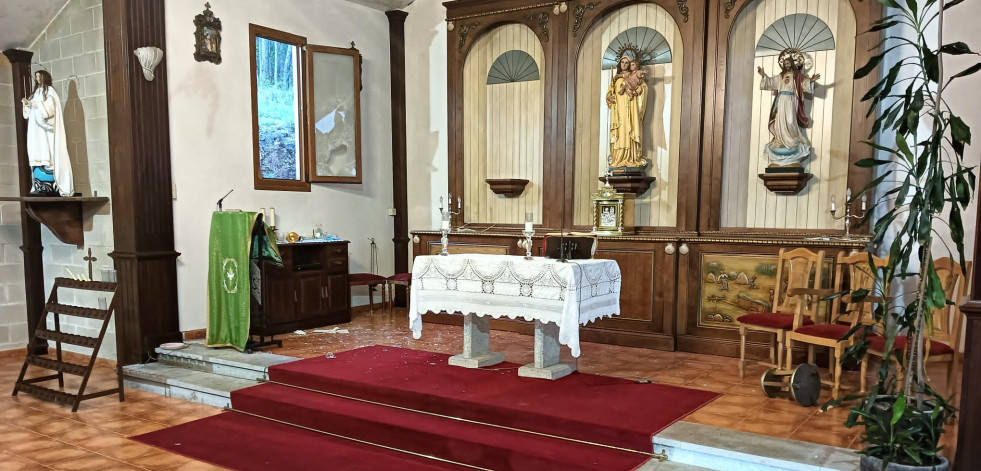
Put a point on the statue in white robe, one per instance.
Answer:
(47, 147)
(788, 116)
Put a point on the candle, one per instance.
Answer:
(529, 225)
(272, 217)
(459, 203)
(832, 203)
(864, 198)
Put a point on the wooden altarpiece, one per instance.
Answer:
(664, 262)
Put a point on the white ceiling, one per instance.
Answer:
(21, 21)
(384, 5)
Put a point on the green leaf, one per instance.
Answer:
(932, 65)
(912, 6)
(870, 162)
(903, 147)
(898, 408)
(871, 65)
(951, 3)
(882, 26)
(917, 103)
(964, 73)
(956, 49)
(890, 3)
(959, 131)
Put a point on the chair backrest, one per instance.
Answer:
(947, 320)
(797, 268)
(855, 267)
(578, 246)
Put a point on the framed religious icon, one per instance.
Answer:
(334, 114)
(207, 36)
(613, 212)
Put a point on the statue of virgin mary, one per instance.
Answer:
(47, 147)
(627, 99)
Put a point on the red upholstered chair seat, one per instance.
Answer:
(773, 320)
(935, 347)
(365, 278)
(826, 331)
(403, 277)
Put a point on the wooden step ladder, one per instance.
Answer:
(57, 364)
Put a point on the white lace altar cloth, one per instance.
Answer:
(568, 294)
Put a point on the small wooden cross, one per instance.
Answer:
(90, 259)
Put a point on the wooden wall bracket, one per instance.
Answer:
(508, 187)
(789, 183)
(636, 183)
(65, 216)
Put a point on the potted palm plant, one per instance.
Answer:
(922, 183)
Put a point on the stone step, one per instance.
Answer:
(182, 383)
(223, 361)
(730, 450)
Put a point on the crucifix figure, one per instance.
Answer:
(89, 258)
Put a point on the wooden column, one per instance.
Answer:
(20, 67)
(400, 192)
(139, 159)
(968, 454)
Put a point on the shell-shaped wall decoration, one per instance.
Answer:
(149, 58)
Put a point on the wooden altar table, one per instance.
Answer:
(558, 296)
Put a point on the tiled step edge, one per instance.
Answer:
(222, 361)
(731, 450)
(182, 383)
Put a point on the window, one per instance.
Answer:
(277, 97)
(303, 129)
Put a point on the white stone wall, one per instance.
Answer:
(13, 312)
(71, 48)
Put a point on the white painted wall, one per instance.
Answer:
(426, 114)
(211, 136)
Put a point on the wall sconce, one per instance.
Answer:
(149, 58)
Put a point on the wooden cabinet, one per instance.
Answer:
(309, 290)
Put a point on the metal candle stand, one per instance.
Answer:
(444, 230)
(528, 235)
(848, 216)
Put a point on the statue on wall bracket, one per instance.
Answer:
(788, 123)
(626, 98)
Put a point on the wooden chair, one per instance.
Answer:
(943, 346)
(398, 279)
(845, 314)
(371, 280)
(794, 268)
(578, 246)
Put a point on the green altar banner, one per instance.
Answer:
(235, 253)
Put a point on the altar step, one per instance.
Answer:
(731, 450)
(201, 374)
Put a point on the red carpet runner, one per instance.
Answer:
(600, 409)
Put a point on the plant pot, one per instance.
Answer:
(871, 463)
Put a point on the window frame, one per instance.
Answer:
(310, 118)
(260, 183)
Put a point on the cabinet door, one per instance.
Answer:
(280, 300)
(338, 295)
(309, 295)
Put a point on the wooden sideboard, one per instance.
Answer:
(309, 290)
(664, 276)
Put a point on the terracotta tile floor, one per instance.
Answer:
(37, 435)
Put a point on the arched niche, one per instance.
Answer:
(661, 140)
(503, 124)
(759, 30)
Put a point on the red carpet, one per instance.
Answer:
(606, 410)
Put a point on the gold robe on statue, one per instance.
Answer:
(626, 119)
